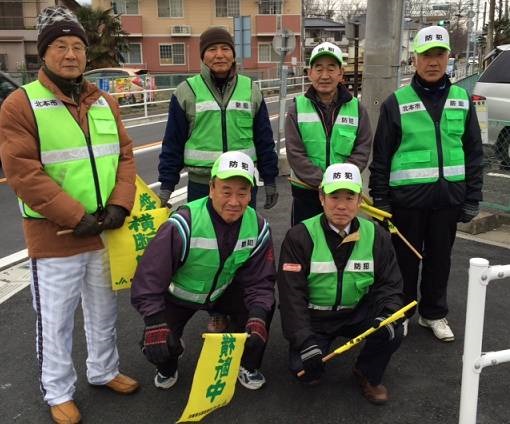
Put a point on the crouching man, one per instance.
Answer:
(215, 252)
(338, 276)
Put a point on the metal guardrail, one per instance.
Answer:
(474, 360)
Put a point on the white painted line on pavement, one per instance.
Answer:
(14, 279)
(471, 237)
(495, 174)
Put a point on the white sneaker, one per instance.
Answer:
(439, 327)
(251, 380)
(162, 382)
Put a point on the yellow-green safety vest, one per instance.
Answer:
(357, 277)
(220, 129)
(321, 150)
(84, 166)
(429, 150)
(203, 277)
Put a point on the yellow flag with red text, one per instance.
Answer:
(215, 377)
(127, 244)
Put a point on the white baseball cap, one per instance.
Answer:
(342, 176)
(326, 49)
(430, 37)
(233, 164)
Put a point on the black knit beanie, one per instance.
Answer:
(54, 22)
(215, 35)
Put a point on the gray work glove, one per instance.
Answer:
(271, 196)
(88, 226)
(164, 195)
(469, 211)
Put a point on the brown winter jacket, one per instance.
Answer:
(19, 151)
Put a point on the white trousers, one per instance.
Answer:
(58, 284)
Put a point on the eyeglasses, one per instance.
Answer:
(64, 48)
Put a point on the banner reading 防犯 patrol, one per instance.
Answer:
(127, 244)
(215, 376)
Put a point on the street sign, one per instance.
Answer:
(284, 42)
(470, 24)
(471, 14)
(242, 37)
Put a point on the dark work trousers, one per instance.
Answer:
(432, 233)
(376, 353)
(197, 191)
(230, 303)
(305, 204)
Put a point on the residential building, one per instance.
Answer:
(319, 30)
(164, 34)
(18, 36)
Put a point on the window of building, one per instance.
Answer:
(125, 7)
(270, 7)
(267, 54)
(171, 54)
(170, 9)
(134, 54)
(32, 62)
(227, 8)
(11, 15)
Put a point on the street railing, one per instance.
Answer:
(474, 360)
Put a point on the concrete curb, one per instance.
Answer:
(484, 222)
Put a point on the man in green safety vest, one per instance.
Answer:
(338, 276)
(215, 252)
(427, 171)
(213, 112)
(69, 159)
(326, 125)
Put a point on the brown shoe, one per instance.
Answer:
(123, 385)
(377, 395)
(65, 413)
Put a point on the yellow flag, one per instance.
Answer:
(215, 376)
(127, 244)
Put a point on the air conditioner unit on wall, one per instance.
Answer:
(182, 30)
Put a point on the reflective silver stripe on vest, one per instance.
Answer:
(207, 105)
(412, 107)
(322, 267)
(411, 174)
(360, 266)
(327, 308)
(347, 120)
(248, 243)
(194, 297)
(452, 171)
(79, 153)
(308, 117)
(203, 243)
(211, 156)
(239, 105)
(457, 104)
(101, 102)
(46, 103)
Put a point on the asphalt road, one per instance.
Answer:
(423, 378)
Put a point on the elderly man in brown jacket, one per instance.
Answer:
(69, 159)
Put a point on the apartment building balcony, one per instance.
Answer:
(312, 42)
(266, 25)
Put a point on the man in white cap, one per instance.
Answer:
(326, 125)
(338, 276)
(427, 171)
(215, 252)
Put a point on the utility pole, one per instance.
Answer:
(382, 54)
(490, 28)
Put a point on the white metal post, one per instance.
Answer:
(473, 335)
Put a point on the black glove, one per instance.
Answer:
(88, 226)
(469, 211)
(114, 217)
(271, 196)
(159, 344)
(311, 357)
(386, 333)
(255, 344)
(164, 195)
